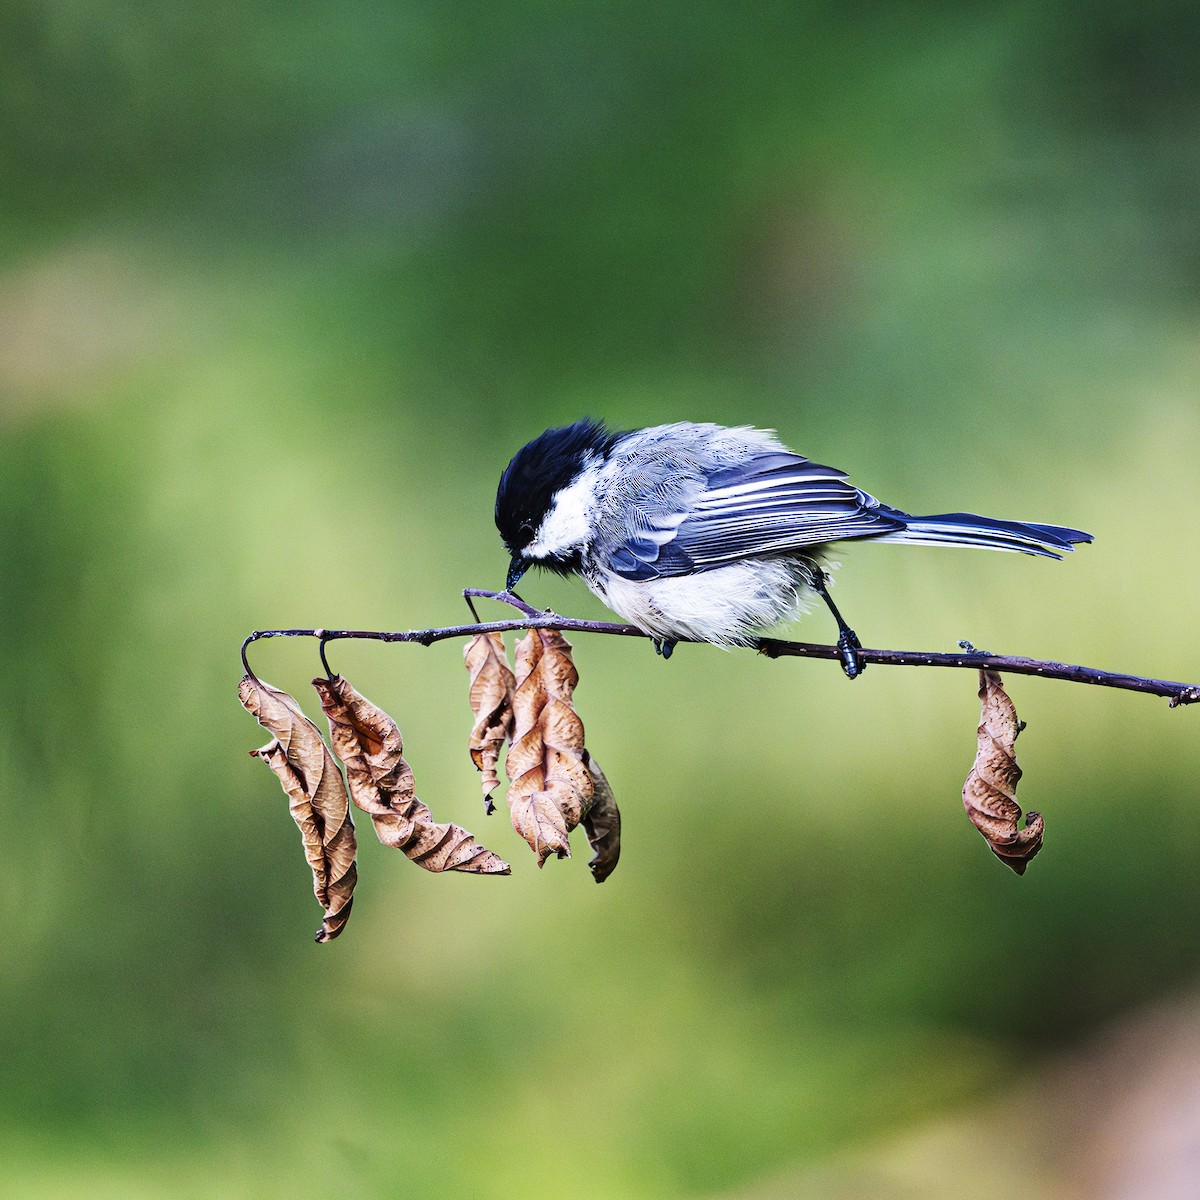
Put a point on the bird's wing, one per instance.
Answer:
(771, 504)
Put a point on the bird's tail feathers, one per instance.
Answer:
(969, 529)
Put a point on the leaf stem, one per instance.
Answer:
(533, 618)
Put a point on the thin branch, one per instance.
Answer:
(533, 618)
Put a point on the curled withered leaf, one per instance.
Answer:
(989, 795)
(602, 823)
(316, 794)
(491, 698)
(551, 788)
(366, 739)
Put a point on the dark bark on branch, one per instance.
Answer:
(533, 618)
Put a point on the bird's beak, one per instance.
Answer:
(516, 569)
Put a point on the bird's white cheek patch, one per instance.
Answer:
(567, 525)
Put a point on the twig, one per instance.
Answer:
(533, 618)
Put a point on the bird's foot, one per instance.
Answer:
(848, 645)
(663, 646)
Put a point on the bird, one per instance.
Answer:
(710, 533)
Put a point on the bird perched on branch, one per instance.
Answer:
(709, 533)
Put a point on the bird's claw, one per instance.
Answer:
(663, 646)
(848, 645)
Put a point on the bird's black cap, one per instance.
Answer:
(539, 470)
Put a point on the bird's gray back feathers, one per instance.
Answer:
(683, 498)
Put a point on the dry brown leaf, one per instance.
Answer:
(491, 698)
(317, 796)
(366, 739)
(989, 795)
(602, 823)
(551, 789)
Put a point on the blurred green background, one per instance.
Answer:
(283, 286)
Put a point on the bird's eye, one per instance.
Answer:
(526, 531)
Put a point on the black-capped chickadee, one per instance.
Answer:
(707, 533)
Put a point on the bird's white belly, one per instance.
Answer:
(726, 606)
